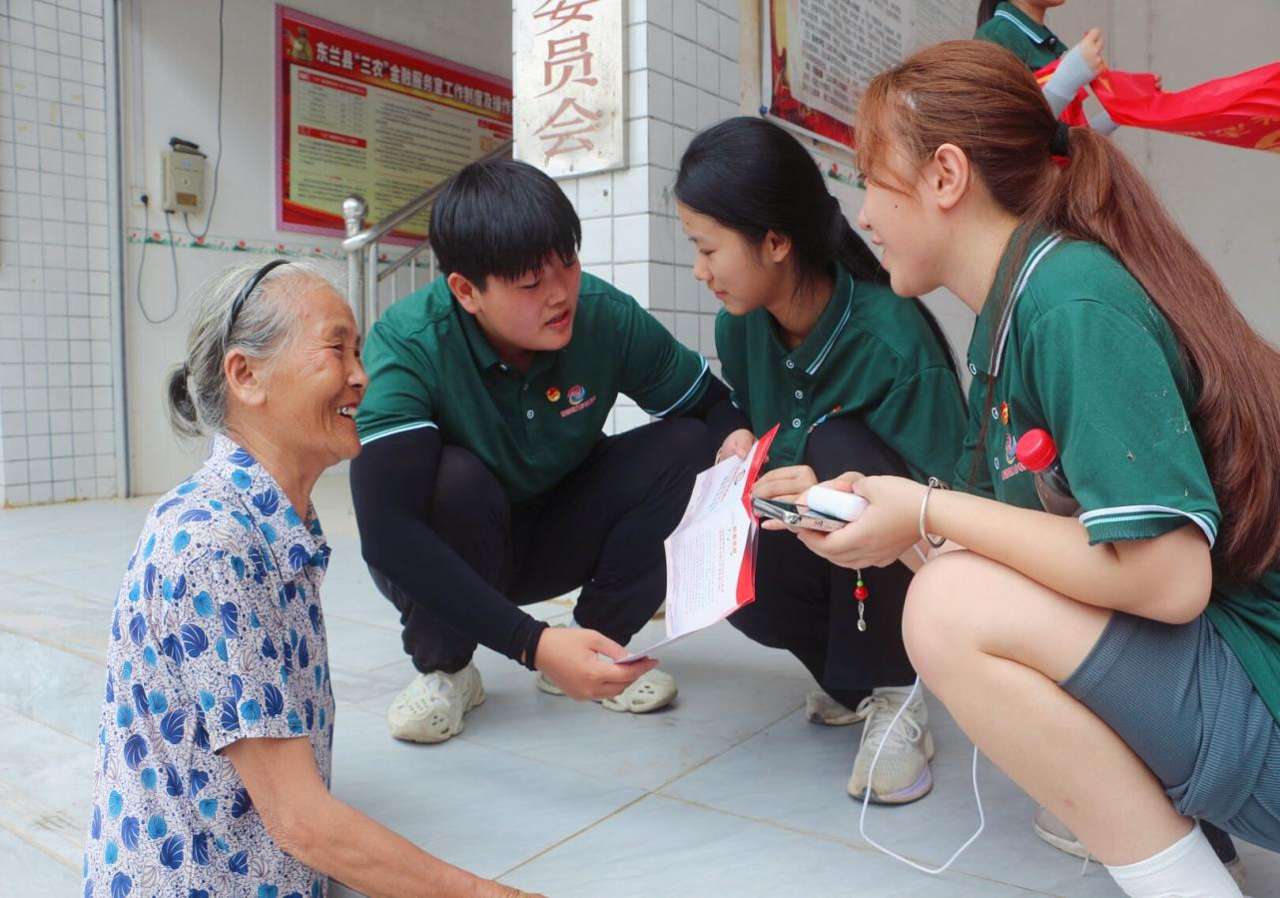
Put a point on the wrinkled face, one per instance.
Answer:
(533, 313)
(732, 267)
(909, 230)
(316, 381)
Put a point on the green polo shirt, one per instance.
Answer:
(1014, 30)
(430, 365)
(1082, 352)
(871, 354)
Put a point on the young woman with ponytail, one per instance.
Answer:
(811, 339)
(1122, 666)
(1019, 26)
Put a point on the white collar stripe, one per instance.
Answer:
(1029, 267)
(1005, 14)
(687, 393)
(831, 342)
(1124, 513)
(392, 431)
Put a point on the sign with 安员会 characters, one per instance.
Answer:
(569, 85)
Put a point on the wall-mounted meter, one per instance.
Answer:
(183, 167)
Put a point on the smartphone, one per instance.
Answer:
(796, 515)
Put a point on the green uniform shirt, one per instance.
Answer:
(1082, 352)
(430, 365)
(1014, 30)
(871, 354)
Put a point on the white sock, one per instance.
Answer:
(1186, 869)
(1072, 74)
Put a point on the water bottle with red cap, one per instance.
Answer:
(1039, 454)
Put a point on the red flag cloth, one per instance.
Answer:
(1240, 110)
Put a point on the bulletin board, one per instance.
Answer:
(357, 114)
(817, 56)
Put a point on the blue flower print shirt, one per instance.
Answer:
(217, 635)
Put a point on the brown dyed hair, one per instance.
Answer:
(982, 99)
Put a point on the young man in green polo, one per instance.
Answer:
(486, 483)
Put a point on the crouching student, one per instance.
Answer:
(485, 482)
(812, 339)
(1019, 26)
(1120, 665)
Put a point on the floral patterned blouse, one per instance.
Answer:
(217, 636)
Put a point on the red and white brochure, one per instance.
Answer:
(711, 555)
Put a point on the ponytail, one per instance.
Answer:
(183, 417)
(1101, 197)
(985, 101)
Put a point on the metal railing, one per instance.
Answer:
(364, 274)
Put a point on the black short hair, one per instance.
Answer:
(502, 218)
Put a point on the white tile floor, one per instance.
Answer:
(729, 792)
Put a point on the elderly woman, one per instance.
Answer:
(216, 732)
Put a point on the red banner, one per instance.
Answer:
(1240, 110)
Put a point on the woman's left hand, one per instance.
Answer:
(887, 528)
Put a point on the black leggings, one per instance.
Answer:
(601, 528)
(805, 604)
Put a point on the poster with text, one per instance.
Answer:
(356, 114)
(819, 55)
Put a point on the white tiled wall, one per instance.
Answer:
(57, 416)
(682, 75)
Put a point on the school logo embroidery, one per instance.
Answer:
(553, 394)
(578, 401)
(1014, 467)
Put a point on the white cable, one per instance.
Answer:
(866, 800)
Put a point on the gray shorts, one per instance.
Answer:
(1181, 700)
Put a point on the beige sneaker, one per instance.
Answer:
(902, 773)
(650, 692)
(433, 706)
(822, 709)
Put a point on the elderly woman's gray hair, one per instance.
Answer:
(197, 389)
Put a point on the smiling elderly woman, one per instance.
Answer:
(216, 732)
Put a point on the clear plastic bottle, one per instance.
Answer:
(1039, 454)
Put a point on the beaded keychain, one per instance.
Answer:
(860, 592)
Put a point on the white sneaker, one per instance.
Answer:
(432, 707)
(1053, 831)
(902, 773)
(652, 691)
(822, 709)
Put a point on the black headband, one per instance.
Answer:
(1060, 143)
(248, 288)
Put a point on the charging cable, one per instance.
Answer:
(866, 801)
